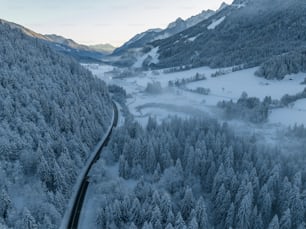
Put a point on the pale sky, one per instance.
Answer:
(100, 21)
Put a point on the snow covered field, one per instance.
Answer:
(294, 114)
(230, 86)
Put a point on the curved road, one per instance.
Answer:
(77, 205)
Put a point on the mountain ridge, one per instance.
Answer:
(155, 34)
(64, 45)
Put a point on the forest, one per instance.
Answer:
(247, 108)
(197, 173)
(52, 113)
(279, 66)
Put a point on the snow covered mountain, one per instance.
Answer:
(248, 33)
(103, 48)
(175, 27)
(24, 30)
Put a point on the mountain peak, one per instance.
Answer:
(222, 6)
(179, 21)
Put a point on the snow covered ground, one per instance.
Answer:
(103, 180)
(294, 114)
(233, 84)
(230, 86)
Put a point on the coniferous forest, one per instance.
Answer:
(52, 113)
(198, 174)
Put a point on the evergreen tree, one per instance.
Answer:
(193, 224)
(244, 213)
(5, 204)
(285, 221)
(201, 213)
(156, 218)
(135, 212)
(179, 222)
(229, 221)
(274, 223)
(187, 203)
(28, 222)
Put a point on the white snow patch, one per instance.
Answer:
(153, 54)
(100, 185)
(214, 24)
(192, 39)
(238, 6)
(162, 36)
(300, 105)
(295, 113)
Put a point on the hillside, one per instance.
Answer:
(246, 33)
(106, 48)
(52, 113)
(173, 28)
(81, 53)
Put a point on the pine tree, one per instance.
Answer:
(28, 222)
(229, 221)
(5, 204)
(193, 224)
(274, 223)
(187, 203)
(157, 173)
(122, 166)
(166, 208)
(285, 191)
(297, 208)
(285, 221)
(169, 226)
(156, 218)
(244, 213)
(222, 203)
(135, 212)
(147, 225)
(179, 222)
(218, 181)
(258, 222)
(265, 204)
(302, 226)
(202, 214)
(132, 226)
(170, 218)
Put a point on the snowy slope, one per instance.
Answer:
(214, 24)
(140, 40)
(234, 35)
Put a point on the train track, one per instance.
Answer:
(79, 200)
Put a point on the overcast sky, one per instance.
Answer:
(100, 21)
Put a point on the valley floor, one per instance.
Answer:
(227, 86)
